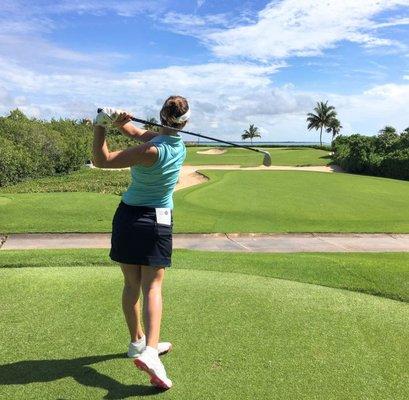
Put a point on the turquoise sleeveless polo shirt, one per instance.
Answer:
(153, 186)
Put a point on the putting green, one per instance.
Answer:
(234, 336)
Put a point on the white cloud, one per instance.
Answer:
(394, 22)
(406, 77)
(368, 112)
(45, 54)
(194, 25)
(303, 28)
(225, 96)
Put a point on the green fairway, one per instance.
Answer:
(296, 156)
(57, 212)
(274, 338)
(233, 201)
(287, 201)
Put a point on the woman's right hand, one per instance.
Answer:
(122, 119)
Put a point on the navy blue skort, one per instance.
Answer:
(137, 238)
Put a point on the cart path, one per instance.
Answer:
(265, 243)
(189, 175)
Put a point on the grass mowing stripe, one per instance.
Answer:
(379, 274)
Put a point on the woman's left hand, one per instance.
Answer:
(122, 119)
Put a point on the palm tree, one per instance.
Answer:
(251, 133)
(150, 127)
(322, 118)
(334, 127)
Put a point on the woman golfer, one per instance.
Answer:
(142, 225)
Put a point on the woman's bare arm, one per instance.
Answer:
(145, 154)
(124, 124)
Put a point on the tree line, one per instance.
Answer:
(32, 148)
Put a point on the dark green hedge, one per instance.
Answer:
(384, 155)
(31, 148)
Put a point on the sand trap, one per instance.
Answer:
(212, 151)
(190, 177)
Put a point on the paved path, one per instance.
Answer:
(274, 243)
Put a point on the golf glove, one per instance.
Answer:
(106, 116)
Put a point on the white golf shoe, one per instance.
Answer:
(149, 362)
(135, 349)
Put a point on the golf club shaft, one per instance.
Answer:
(194, 134)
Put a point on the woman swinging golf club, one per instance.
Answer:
(142, 225)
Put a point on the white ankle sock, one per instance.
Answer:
(151, 350)
(139, 341)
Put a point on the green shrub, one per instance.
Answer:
(396, 164)
(386, 142)
(384, 155)
(12, 168)
(354, 153)
(30, 148)
(403, 140)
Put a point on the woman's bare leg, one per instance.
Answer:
(130, 300)
(151, 279)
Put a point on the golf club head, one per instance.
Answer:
(266, 159)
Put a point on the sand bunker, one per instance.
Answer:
(190, 177)
(212, 151)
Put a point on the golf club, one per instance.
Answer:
(266, 159)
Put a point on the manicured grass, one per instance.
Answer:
(287, 201)
(85, 180)
(296, 156)
(380, 274)
(116, 182)
(274, 338)
(234, 201)
(57, 212)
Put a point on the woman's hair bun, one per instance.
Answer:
(174, 108)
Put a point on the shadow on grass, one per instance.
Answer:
(36, 371)
(327, 157)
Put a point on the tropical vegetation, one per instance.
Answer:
(251, 133)
(324, 117)
(386, 154)
(32, 148)
(149, 126)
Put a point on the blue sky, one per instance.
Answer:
(237, 62)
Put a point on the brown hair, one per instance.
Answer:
(174, 107)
